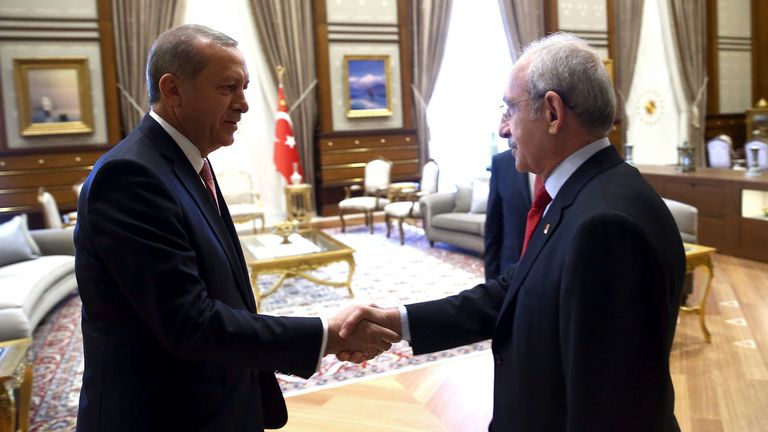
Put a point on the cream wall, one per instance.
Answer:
(23, 38)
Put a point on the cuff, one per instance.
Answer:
(406, 329)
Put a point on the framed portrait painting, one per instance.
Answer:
(53, 96)
(367, 86)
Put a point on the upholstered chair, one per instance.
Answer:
(374, 191)
(406, 204)
(762, 153)
(76, 188)
(243, 202)
(51, 215)
(719, 151)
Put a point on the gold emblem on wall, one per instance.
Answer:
(650, 107)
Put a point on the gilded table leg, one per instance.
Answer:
(255, 288)
(7, 408)
(703, 305)
(351, 262)
(25, 397)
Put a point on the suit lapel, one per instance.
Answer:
(222, 227)
(599, 162)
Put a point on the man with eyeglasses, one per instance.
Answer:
(582, 326)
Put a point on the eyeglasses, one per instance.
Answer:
(509, 108)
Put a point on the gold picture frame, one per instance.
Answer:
(53, 96)
(367, 86)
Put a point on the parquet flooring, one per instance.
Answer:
(720, 387)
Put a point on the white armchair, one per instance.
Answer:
(374, 189)
(406, 203)
(51, 214)
(243, 203)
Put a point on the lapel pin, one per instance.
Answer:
(546, 228)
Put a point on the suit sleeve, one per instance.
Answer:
(467, 317)
(493, 234)
(137, 226)
(615, 323)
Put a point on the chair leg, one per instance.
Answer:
(263, 224)
(402, 234)
(341, 216)
(370, 220)
(387, 221)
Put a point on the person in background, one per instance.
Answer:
(509, 199)
(582, 325)
(172, 339)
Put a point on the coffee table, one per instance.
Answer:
(307, 250)
(698, 255)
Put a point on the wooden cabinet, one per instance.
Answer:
(342, 158)
(720, 196)
(22, 175)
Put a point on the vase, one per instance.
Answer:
(296, 177)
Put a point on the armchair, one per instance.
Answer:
(719, 151)
(375, 188)
(51, 215)
(406, 203)
(243, 203)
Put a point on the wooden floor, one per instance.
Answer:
(722, 386)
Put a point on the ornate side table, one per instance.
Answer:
(298, 198)
(698, 255)
(15, 374)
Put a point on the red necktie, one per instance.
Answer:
(207, 177)
(540, 202)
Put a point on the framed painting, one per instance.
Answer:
(53, 96)
(367, 86)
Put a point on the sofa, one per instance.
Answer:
(35, 278)
(458, 218)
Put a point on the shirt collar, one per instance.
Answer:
(569, 165)
(190, 150)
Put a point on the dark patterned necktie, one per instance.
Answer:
(207, 177)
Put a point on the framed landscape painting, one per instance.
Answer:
(53, 96)
(367, 86)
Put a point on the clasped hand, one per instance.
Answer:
(360, 333)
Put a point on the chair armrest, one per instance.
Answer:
(55, 241)
(351, 188)
(435, 204)
(438, 203)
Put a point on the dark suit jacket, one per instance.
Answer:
(171, 335)
(509, 199)
(582, 326)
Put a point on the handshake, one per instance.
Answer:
(360, 333)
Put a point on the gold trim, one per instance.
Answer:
(360, 113)
(46, 170)
(17, 208)
(22, 68)
(370, 149)
(362, 164)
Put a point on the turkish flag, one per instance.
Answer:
(286, 153)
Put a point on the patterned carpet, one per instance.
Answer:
(386, 274)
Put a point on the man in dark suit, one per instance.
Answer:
(171, 335)
(509, 199)
(582, 326)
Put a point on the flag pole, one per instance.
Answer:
(280, 71)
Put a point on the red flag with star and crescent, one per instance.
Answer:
(286, 153)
